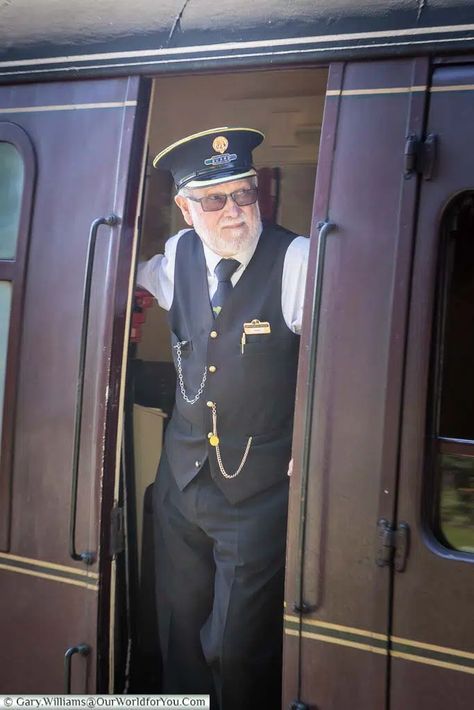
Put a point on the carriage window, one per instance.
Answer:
(453, 391)
(17, 180)
(5, 303)
(11, 191)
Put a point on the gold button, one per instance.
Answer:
(212, 368)
(210, 404)
(213, 333)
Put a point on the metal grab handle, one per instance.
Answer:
(83, 650)
(300, 606)
(111, 221)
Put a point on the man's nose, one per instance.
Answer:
(231, 207)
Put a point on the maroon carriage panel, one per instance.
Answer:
(88, 140)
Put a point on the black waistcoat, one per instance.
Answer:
(254, 391)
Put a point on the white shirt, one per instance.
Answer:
(157, 275)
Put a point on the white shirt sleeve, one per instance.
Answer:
(157, 274)
(293, 285)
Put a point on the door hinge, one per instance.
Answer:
(420, 155)
(392, 545)
(117, 531)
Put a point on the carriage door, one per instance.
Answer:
(70, 161)
(346, 437)
(380, 572)
(432, 642)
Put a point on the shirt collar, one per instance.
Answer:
(244, 256)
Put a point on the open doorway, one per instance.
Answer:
(287, 106)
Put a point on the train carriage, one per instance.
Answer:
(368, 111)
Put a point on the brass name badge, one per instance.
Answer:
(257, 327)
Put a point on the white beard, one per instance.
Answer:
(228, 242)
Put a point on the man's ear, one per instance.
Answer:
(184, 207)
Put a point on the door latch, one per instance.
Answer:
(117, 531)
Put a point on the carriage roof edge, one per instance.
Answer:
(108, 38)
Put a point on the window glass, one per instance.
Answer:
(453, 398)
(457, 500)
(11, 189)
(5, 304)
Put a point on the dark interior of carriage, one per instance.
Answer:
(451, 410)
(288, 107)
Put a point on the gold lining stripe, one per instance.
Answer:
(375, 649)
(52, 577)
(431, 647)
(370, 92)
(338, 627)
(399, 90)
(50, 565)
(453, 87)
(384, 652)
(432, 662)
(67, 107)
(339, 641)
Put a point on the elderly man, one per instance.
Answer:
(234, 296)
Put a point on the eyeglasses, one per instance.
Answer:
(214, 203)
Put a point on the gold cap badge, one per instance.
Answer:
(220, 144)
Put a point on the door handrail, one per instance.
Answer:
(111, 221)
(83, 650)
(300, 605)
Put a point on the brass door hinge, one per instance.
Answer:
(420, 156)
(392, 545)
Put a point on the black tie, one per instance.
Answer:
(224, 270)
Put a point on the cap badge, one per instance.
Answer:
(216, 160)
(220, 144)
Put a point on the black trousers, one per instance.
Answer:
(220, 578)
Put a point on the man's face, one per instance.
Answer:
(226, 231)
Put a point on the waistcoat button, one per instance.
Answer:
(213, 334)
(212, 368)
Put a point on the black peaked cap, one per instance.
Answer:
(210, 156)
